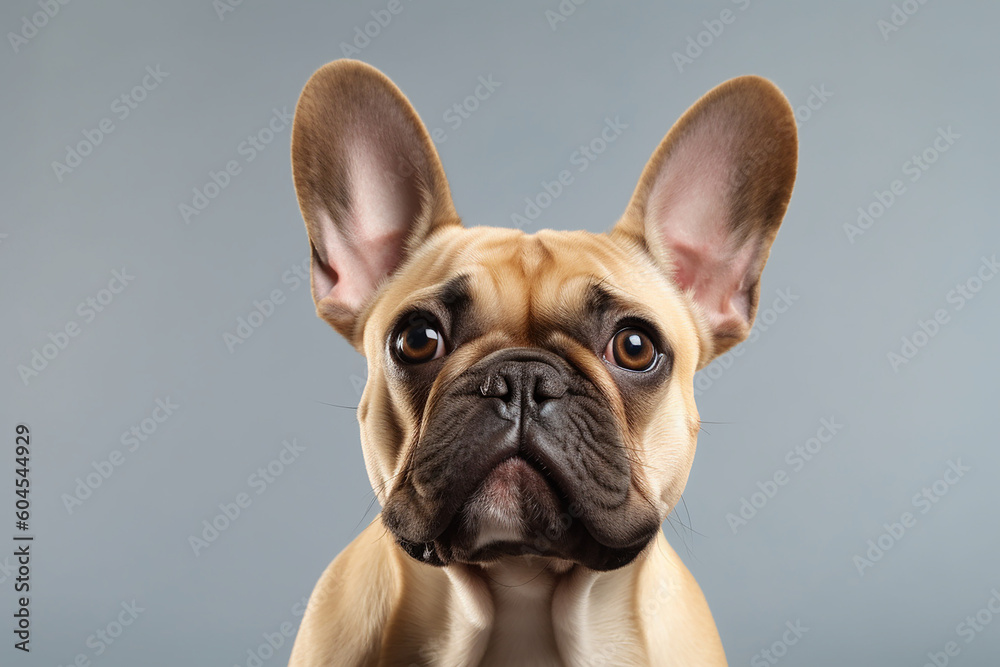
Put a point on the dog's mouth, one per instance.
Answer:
(519, 509)
(515, 499)
(521, 455)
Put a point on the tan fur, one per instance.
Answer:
(377, 606)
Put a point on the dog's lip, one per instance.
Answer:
(532, 463)
(551, 479)
(535, 465)
(445, 522)
(596, 553)
(503, 467)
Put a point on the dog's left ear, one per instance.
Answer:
(711, 199)
(370, 185)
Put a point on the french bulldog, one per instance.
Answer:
(529, 420)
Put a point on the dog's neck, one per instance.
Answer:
(543, 611)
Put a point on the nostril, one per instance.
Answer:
(520, 382)
(494, 386)
(548, 386)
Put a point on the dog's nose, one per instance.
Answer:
(524, 384)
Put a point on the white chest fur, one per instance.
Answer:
(539, 614)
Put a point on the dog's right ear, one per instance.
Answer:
(369, 183)
(711, 199)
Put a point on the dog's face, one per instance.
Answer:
(529, 393)
(533, 393)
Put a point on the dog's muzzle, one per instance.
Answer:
(521, 454)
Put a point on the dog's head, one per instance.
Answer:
(533, 393)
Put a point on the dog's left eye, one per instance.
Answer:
(420, 341)
(631, 349)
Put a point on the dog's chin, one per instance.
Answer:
(517, 511)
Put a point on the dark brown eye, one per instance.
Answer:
(420, 341)
(631, 349)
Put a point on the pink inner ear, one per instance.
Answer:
(352, 267)
(716, 282)
(359, 251)
(690, 212)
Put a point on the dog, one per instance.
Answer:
(529, 420)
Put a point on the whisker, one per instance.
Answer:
(335, 405)
(367, 510)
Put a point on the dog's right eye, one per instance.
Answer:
(420, 341)
(632, 349)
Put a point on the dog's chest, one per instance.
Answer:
(545, 621)
(522, 632)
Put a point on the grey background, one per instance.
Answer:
(163, 336)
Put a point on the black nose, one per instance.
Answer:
(524, 385)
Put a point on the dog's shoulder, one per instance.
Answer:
(674, 612)
(350, 605)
